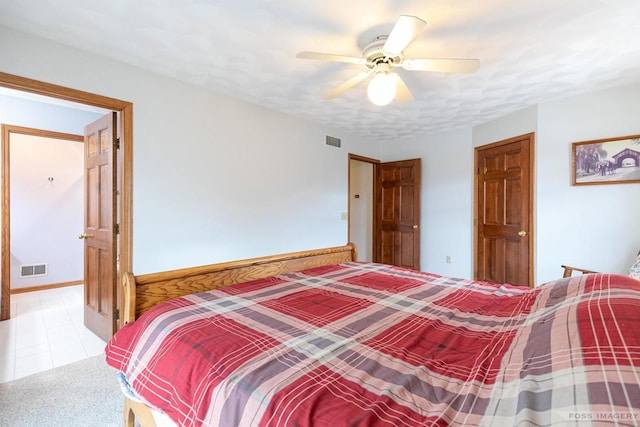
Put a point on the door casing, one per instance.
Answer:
(125, 193)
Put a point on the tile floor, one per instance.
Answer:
(46, 331)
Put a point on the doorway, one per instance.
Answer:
(385, 226)
(361, 204)
(45, 208)
(125, 162)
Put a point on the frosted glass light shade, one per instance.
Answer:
(381, 89)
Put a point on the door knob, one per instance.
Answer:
(416, 226)
(85, 236)
(522, 233)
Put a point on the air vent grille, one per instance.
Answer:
(33, 270)
(333, 141)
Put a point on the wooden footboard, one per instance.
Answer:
(137, 413)
(144, 291)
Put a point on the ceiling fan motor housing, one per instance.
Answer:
(375, 54)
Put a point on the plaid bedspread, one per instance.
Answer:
(361, 344)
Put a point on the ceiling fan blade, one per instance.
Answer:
(403, 94)
(406, 29)
(330, 57)
(444, 65)
(347, 85)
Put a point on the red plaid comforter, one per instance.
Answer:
(361, 344)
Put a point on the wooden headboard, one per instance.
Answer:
(146, 290)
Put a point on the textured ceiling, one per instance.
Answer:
(529, 51)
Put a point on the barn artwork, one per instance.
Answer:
(606, 161)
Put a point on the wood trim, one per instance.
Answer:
(362, 158)
(60, 92)
(5, 259)
(125, 109)
(568, 271)
(144, 291)
(126, 201)
(42, 133)
(46, 287)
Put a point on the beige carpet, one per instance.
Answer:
(84, 393)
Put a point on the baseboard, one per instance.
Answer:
(45, 287)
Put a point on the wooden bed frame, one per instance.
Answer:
(144, 291)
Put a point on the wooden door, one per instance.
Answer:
(100, 251)
(504, 221)
(397, 222)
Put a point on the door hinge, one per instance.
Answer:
(116, 314)
(116, 143)
(116, 229)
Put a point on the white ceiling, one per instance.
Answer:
(530, 51)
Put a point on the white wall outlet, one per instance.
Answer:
(344, 216)
(448, 259)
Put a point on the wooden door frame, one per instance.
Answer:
(531, 230)
(374, 163)
(125, 197)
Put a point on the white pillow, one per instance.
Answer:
(635, 269)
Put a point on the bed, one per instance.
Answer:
(317, 338)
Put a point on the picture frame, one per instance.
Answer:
(606, 161)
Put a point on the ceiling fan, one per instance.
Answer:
(386, 53)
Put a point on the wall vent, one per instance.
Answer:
(33, 270)
(333, 141)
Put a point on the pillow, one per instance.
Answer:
(635, 269)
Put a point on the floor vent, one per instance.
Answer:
(333, 141)
(33, 270)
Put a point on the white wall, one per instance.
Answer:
(215, 178)
(518, 123)
(39, 115)
(218, 179)
(46, 216)
(595, 226)
(515, 124)
(586, 226)
(446, 197)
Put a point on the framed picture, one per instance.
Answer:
(606, 161)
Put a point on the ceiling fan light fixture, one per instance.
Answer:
(382, 89)
(385, 53)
